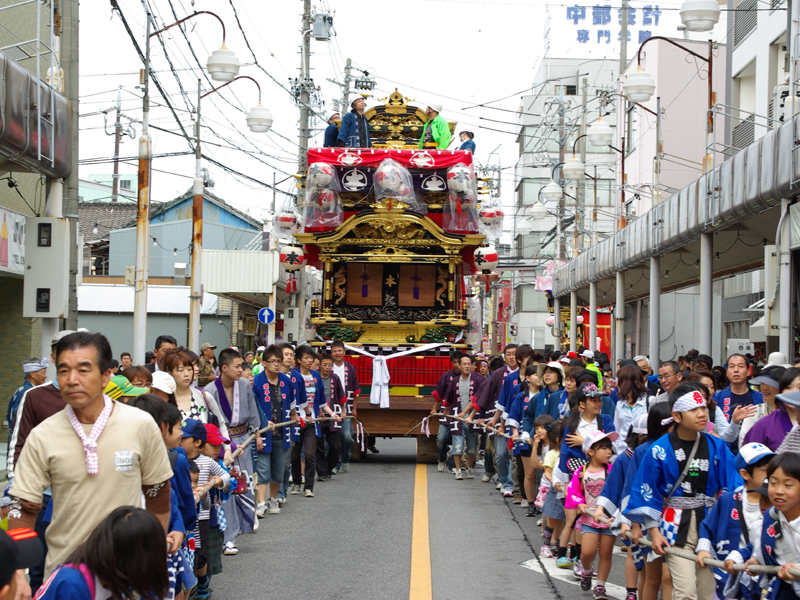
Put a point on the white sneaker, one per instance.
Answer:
(499, 486)
(295, 490)
(261, 510)
(308, 493)
(281, 501)
(486, 479)
(255, 526)
(273, 506)
(507, 492)
(470, 474)
(440, 467)
(459, 475)
(524, 504)
(230, 549)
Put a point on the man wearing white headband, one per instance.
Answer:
(675, 486)
(35, 370)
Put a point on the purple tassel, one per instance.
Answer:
(365, 285)
(416, 280)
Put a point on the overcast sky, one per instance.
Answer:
(459, 53)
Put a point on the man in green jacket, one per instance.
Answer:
(436, 129)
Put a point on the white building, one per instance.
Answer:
(553, 115)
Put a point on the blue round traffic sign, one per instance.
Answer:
(266, 316)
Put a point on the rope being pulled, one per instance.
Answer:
(483, 426)
(240, 450)
(709, 562)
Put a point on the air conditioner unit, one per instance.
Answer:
(180, 274)
(780, 103)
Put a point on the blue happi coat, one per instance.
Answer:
(659, 471)
(507, 393)
(771, 532)
(547, 403)
(720, 534)
(301, 399)
(261, 391)
(519, 407)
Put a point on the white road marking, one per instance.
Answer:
(565, 575)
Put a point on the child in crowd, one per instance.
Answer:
(554, 501)
(193, 440)
(610, 499)
(522, 451)
(585, 418)
(659, 423)
(675, 485)
(539, 448)
(179, 565)
(736, 516)
(779, 541)
(584, 489)
(128, 536)
(217, 497)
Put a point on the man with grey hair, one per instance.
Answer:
(670, 377)
(644, 365)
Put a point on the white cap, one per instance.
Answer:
(777, 358)
(260, 349)
(587, 354)
(164, 381)
(595, 437)
(640, 424)
(437, 106)
(60, 336)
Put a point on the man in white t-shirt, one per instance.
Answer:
(95, 455)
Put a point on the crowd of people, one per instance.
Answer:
(690, 456)
(110, 460)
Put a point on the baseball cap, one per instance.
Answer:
(20, 548)
(164, 382)
(260, 349)
(60, 336)
(214, 435)
(750, 454)
(769, 376)
(587, 354)
(564, 359)
(195, 429)
(206, 345)
(572, 354)
(595, 437)
(119, 386)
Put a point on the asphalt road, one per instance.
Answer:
(353, 540)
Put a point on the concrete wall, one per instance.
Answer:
(680, 325)
(118, 328)
(170, 235)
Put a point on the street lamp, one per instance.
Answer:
(700, 15)
(640, 86)
(259, 120)
(600, 133)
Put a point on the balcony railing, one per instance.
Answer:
(744, 20)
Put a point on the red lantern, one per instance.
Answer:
(498, 216)
(488, 216)
(293, 258)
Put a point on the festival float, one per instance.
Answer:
(394, 230)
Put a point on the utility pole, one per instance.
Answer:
(619, 310)
(117, 136)
(305, 83)
(581, 188)
(71, 52)
(197, 237)
(143, 217)
(344, 103)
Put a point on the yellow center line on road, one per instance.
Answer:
(421, 588)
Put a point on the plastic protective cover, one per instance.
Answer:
(491, 217)
(472, 332)
(322, 209)
(287, 222)
(392, 182)
(460, 214)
